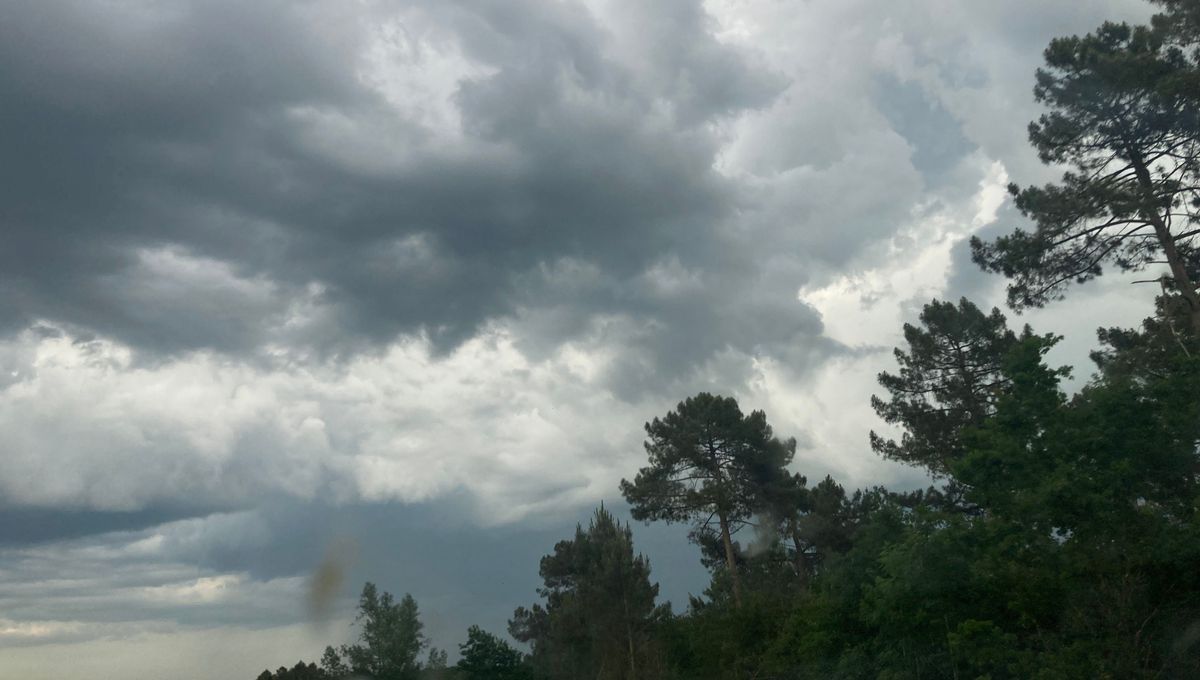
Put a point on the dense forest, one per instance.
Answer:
(1061, 537)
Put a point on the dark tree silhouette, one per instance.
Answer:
(599, 615)
(486, 657)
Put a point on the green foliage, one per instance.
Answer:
(1078, 561)
(708, 464)
(301, 671)
(1118, 118)
(487, 657)
(950, 378)
(716, 640)
(599, 618)
(826, 526)
(390, 640)
(1179, 26)
(435, 667)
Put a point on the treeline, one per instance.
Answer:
(1062, 536)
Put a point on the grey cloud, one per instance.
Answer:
(258, 564)
(965, 277)
(182, 132)
(33, 525)
(937, 138)
(219, 176)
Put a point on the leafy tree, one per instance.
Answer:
(950, 378)
(1147, 354)
(1077, 565)
(1111, 474)
(827, 526)
(435, 667)
(487, 657)
(334, 665)
(778, 549)
(820, 633)
(1180, 26)
(390, 640)
(718, 641)
(770, 561)
(1091, 463)
(301, 671)
(707, 462)
(599, 615)
(1118, 119)
(798, 528)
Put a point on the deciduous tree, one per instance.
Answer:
(390, 639)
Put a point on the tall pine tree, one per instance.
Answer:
(707, 463)
(599, 614)
(1130, 134)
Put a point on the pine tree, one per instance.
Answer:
(950, 378)
(707, 462)
(599, 613)
(1131, 135)
(486, 657)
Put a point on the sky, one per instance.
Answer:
(321, 292)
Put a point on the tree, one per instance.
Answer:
(706, 462)
(950, 378)
(1151, 353)
(1081, 563)
(435, 667)
(389, 643)
(1180, 25)
(334, 665)
(301, 671)
(783, 501)
(1110, 474)
(487, 657)
(599, 615)
(1130, 135)
(827, 526)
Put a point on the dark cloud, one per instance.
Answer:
(20, 526)
(176, 188)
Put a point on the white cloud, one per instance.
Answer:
(87, 427)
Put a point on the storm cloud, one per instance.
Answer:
(233, 176)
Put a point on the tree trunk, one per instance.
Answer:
(1183, 282)
(730, 562)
